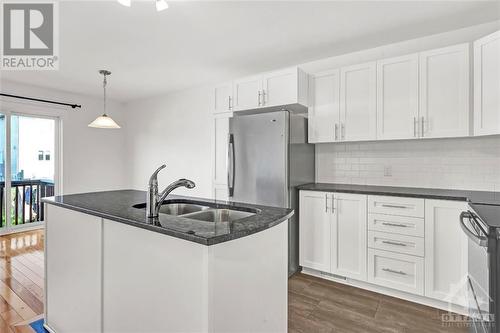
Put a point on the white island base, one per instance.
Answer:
(106, 276)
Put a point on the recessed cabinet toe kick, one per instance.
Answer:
(201, 266)
(407, 247)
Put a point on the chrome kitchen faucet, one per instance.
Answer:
(155, 199)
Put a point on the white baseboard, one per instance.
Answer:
(388, 291)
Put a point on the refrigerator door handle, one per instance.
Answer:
(230, 166)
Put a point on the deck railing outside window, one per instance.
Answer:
(26, 200)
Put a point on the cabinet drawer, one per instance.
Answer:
(394, 270)
(396, 243)
(404, 225)
(396, 206)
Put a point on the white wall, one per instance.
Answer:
(174, 129)
(93, 159)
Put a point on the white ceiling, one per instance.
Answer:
(194, 43)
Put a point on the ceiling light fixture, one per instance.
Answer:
(160, 4)
(104, 121)
(125, 2)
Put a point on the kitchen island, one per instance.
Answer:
(201, 266)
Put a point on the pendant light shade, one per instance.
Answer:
(104, 121)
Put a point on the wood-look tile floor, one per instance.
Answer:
(317, 305)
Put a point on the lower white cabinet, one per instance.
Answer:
(348, 235)
(333, 233)
(446, 251)
(396, 271)
(72, 271)
(314, 230)
(411, 245)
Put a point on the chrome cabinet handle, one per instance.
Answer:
(394, 271)
(342, 131)
(394, 243)
(415, 125)
(333, 204)
(395, 225)
(230, 166)
(336, 131)
(394, 206)
(422, 127)
(260, 94)
(326, 203)
(230, 103)
(263, 97)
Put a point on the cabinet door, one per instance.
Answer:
(397, 97)
(324, 111)
(223, 98)
(358, 109)
(487, 85)
(444, 92)
(73, 271)
(248, 93)
(445, 251)
(349, 236)
(220, 144)
(314, 230)
(280, 88)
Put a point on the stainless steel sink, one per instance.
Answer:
(219, 215)
(181, 208)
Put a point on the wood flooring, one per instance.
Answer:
(314, 305)
(317, 305)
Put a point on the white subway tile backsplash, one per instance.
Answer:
(461, 163)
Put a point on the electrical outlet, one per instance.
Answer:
(387, 171)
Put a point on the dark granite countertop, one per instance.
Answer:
(118, 206)
(485, 204)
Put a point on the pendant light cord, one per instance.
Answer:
(104, 87)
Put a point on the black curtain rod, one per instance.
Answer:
(73, 106)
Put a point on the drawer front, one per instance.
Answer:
(397, 271)
(396, 243)
(404, 225)
(396, 206)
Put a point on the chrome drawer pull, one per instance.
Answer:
(394, 243)
(394, 206)
(395, 225)
(393, 271)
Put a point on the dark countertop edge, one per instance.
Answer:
(405, 191)
(171, 232)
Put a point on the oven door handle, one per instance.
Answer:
(479, 240)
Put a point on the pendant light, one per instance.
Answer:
(104, 121)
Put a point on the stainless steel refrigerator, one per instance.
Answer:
(268, 157)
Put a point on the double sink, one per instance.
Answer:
(195, 211)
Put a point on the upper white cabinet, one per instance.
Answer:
(358, 102)
(324, 108)
(397, 97)
(348, 235)
(487, 85)
(248, 93)
(446, 251)
(444, 92)
(314, 230)
(223, 98)
(279, 88)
